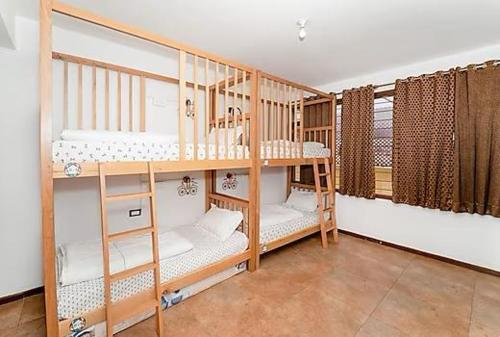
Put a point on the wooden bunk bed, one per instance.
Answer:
(297, 130)
(221, 151)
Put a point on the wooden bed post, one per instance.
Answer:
(254, 175)
(210, 186)
(47, 183)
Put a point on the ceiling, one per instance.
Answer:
(345, 38)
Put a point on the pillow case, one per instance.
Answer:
(302, 200)
(314, 145)
(220, 222)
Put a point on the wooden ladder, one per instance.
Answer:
(149, 299)
(329, 208)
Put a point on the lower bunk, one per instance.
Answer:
(192, 259)
(298, 217)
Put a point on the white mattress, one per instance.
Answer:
(76, 299)
(283, 229)
(131, 150)
(287, 149)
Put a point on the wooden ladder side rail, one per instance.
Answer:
(115, 313)
(331, 199)
(330, 207)
(319, 196)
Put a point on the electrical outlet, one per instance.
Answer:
(134, 212)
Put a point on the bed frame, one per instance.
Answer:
(271, 108)
(295, 113)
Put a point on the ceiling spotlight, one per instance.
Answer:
(302, 29)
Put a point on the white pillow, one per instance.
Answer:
(220, 221)
(314, 145)
(222, 134)
(302, 200)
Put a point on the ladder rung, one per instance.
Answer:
(324, 174)
(329, 209)
(133, 306)
(132, 271)
(128, 196)
(132, 232)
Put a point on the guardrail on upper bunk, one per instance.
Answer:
(212, 116)
(289, 120)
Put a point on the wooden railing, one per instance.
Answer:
(219, 100)
(282, 110)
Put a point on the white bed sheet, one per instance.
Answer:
(76, 299)
(282, 229)
(286, 149)
(124, 150)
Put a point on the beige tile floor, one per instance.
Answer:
(355, 288)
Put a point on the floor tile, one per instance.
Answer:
(10, 314)
(417, 318)
(34, 328)
(376, 328)
(33, 308)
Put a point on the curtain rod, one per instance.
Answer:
(459, 69)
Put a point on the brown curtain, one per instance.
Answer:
(477, 143)
(423, 126)
(357, 163)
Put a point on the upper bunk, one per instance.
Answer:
(196, 113)
(296, 122)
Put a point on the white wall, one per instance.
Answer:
(463, 237)
(7, 24)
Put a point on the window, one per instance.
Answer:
(382, 143)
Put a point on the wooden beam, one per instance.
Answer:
(47, 184)
(87, 16)
(254, 175)
(296, 85)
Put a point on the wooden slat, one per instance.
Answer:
(143, 104)
(297, 85)
(131, 232)
(130, 103)
(271, 119)
(182, 105)
(265, 118)
(278, 118)
(216, 110)
(207, 108)
(119, 101)
(244, 111)
(235, 116)
(195, 108)
(301, 93)
(133, 306)
(65, 96)
(94, 98)
(226, 106)
(80, 97)
(290, 121)
(296, 124)
(128, 196)
(132, 271)
(118, 68)
(106, 99)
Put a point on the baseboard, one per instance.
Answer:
(426, 254)
(18, 296)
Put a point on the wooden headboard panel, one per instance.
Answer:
(234, 204)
